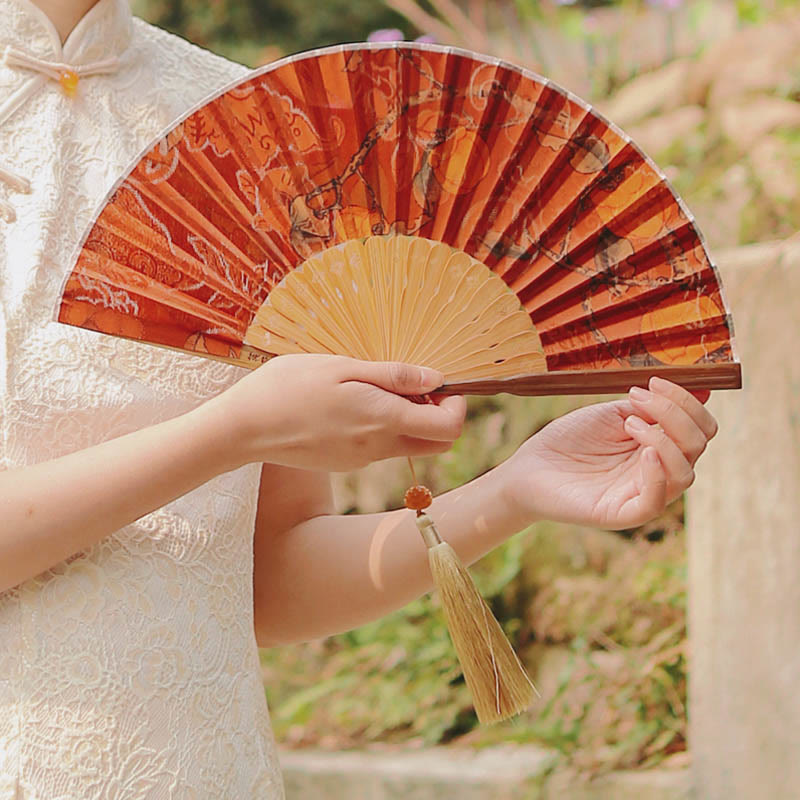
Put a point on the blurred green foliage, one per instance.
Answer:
(395, 680)
(607, 648)
(598, 618)
(255, 31)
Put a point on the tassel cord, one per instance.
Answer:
(498, 682)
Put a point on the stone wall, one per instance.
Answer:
(743, 524)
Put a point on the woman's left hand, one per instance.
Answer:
(614, 465)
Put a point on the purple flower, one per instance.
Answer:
(386, 35)
(668, 5)
(427, 38)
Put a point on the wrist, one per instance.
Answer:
(250, 430)
(517, 492)
(223, 434)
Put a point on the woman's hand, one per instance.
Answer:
(614, 465)
(334, 413)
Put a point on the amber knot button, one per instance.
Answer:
(69, 82)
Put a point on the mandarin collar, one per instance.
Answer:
(103, 32)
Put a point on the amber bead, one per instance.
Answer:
(418, 497)
(69, 82)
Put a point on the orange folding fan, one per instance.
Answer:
(410, 202)
(415, 203)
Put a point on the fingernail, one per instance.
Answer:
(431, 378)
(636, 423)
(639, 394)
(658, 383)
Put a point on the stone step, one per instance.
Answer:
(497, 773)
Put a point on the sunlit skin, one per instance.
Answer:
(613, 465)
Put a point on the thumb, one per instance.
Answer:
(397, 377)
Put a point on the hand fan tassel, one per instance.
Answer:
(498, 682)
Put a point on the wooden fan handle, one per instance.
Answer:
(694, 377)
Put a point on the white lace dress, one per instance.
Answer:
(130, 670)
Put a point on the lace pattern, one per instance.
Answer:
(130, 669)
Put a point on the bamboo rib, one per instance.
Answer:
(401, 298)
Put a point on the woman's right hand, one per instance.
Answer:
(334, 413)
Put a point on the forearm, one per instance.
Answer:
(332, 573)
(54, 509)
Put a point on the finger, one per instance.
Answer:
(690, 404)
(651, 499)
(442, 422)
(701, 395)
(676, 423)
(457, 403)
(413, 447)
(437, 397)
(393, 376)
(679, 472)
